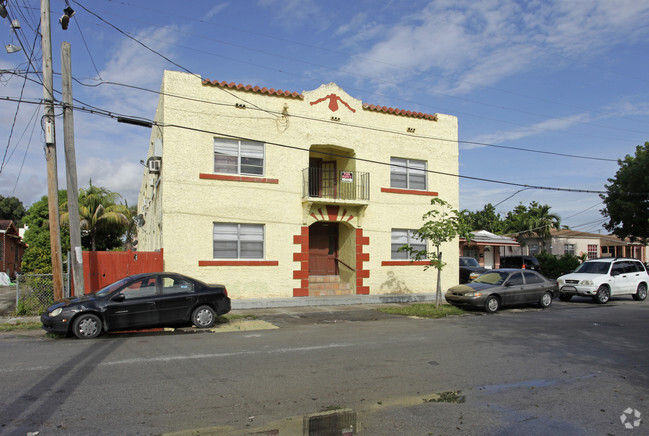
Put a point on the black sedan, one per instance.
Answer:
(137, 302)
(469, 269)
(503, 287)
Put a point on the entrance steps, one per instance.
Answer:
(321, 286)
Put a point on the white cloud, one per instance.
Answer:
(216, 10)
(550, 125)
(118, 175)
(135, 65)
(466, 44)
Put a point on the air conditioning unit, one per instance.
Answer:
(154, 164)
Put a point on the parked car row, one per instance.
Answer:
(597, 278)
(167, 299)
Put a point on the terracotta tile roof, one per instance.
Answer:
(240, 86)
(391, 110)
(295, 94)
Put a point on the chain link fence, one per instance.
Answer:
(35, 292)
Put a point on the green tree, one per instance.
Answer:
(441, 224)
(485, 219)
(626, 202)
(541, 220)
(535, 219)
(102, 221)
(38, 257)
(12, 209)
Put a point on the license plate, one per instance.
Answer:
(569, 289)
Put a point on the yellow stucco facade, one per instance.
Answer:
(320, 192)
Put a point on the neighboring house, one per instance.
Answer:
(594, 245)
(283, 194)
(486, 247)
(12, 248)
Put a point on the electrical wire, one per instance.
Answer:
(176, 15)
(160, 93)
(481, 179)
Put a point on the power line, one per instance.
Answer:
(481, 179)
(338, 52)
(160, 93)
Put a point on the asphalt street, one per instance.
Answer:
(573, 369)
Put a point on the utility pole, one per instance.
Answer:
(76, 257)
(50, 152)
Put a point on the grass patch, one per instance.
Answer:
(20, 326)
(224, 319)
(447, 397)
(231, 316)
(424, 310)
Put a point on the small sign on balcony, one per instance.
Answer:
(347, 177)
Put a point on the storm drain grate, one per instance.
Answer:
(340, 422)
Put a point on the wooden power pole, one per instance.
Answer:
(76, 257)
(50, 152)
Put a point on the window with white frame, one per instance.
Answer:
(407, 173)
(238, 241)
(593, 251)
(233, 156)
(569, 249)
(401, 237)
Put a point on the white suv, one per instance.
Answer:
(605, 277)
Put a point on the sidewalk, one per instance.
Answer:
(296, 305)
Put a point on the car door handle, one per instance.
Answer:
(190, 298)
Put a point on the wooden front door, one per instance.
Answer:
(323, 249)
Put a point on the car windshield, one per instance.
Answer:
(593, 268)
(492, 278)
(469, 261)
(110, 288)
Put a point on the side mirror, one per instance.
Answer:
(615, 273)
(119, 298)
(507, 284)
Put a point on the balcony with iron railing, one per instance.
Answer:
(336, 186)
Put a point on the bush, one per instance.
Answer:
(553, 266)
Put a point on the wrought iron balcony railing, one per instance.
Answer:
(335, 184)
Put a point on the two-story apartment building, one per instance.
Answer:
(284, 194)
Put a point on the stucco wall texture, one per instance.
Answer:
(181, 204)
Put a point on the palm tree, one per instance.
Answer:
(541, 221)
(98, 211)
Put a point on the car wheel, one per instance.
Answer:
(565, 297)
(641, 293)
(546, 300)
(492, 304)
(86, 326)
(602, 295)
(203, 317)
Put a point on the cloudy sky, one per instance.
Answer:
(547, 93)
